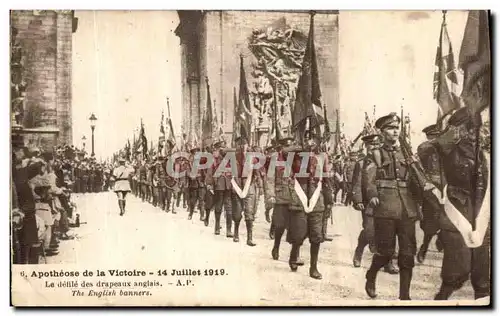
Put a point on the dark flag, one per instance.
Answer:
(235, 100)
(143, 142)
(475, 61)
(338, 142)
(127, 150)
(161, 138)
(243, 114)
(445, 82)
(308, 96)
(208, 120)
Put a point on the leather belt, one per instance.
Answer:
(391, 184)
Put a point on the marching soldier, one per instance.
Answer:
(246, 205)
(155, 182)
(278, 190)
(466, 175)
(195, 183)
(390, 190)
(429, 157)
(182, 182)
(221, 185)
(122, 185)
(359, 199)
(348, 178)
(149, 180)
(308, 223)
(142, 179)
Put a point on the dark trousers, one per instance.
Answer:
(386, 232)
(223, 198)
(460, 261)
(302, 226)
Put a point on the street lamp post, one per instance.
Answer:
(92, 120)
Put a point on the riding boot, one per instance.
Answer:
(292, 261)
(313, 270)
(299, 261)
(207, 217)
(236, 231)
(275, 253)
(178, 200)
(121, 207)
(191, 211)
(272, 231)
(405, 276)
(250, 233)
(371, 275)
(444, 293)
(422, 252)
(229, 224)
(202, 213)
(358, 253)
(217, 223)
(325, 231)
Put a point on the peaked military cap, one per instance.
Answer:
(390, 120)
(431, 130)
(219, 144)
(371, 138)
(461, 116)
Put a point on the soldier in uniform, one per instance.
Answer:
(348, 178)
(269, 150)
(466, 174)
(429, 157)
(359, 200)
(390, 189)
(278, 190)
(195, 182)
(121, 176)
(309, 224)
(149, 179)
(155, 182)
(142, 179)
(182, 183)
(246, 205)
(221, 185)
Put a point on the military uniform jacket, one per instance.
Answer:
(276, 184)
(464, 192)
(388, 177)
(240, 178)
(221, 182)
(429, 158)
(142, 174)
(197, 180)
(310, 184)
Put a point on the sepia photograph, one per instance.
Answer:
(250, 158)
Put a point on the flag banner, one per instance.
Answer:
(475, 61)
(308, 97)
(445, 82)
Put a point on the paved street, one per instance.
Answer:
(146, 236)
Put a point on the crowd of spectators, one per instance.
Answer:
(42, 183)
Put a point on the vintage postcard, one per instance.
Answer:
(250, 158)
